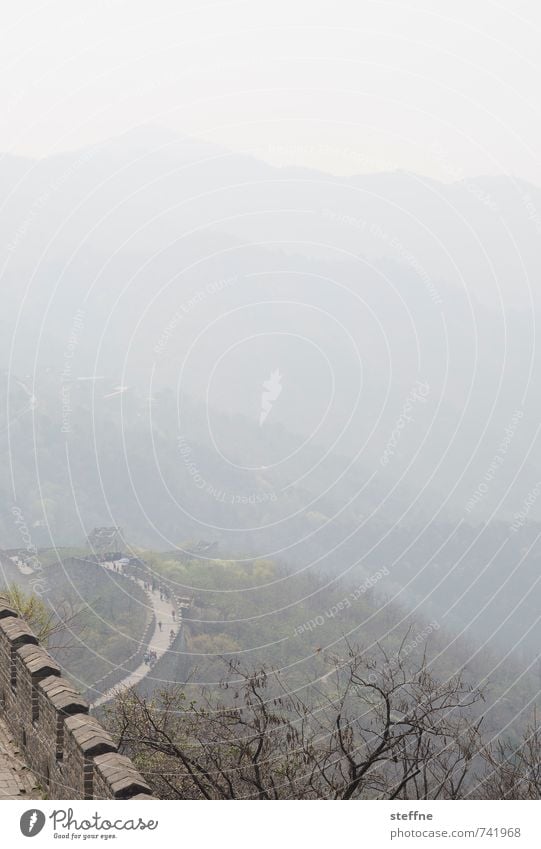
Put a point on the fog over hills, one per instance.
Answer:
(199, 345)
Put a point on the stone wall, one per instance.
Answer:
(69, 752)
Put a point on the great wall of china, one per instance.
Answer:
(51, 732)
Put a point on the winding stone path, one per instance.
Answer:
(16, 780)
(159, 642)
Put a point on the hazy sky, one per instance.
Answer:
(443, 88)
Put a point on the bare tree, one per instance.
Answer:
(513, 769)
(370, 728)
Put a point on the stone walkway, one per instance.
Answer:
(160, 640)
(16, 780)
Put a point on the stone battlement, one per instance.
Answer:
(69, 752)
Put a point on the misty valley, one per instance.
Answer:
(271, 468)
